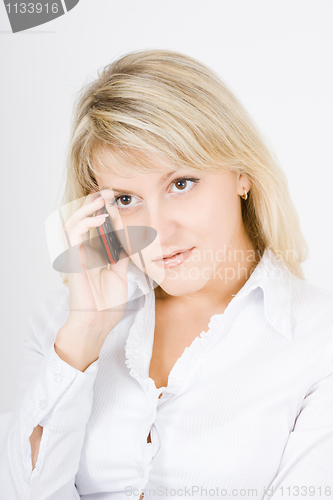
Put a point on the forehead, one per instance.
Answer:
(127, 169)
(126, 163)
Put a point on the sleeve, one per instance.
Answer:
(55, 395)
(306, 468)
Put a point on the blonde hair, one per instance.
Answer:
(166, 105)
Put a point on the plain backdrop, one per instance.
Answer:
(275, 55)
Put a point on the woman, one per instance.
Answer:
(213, 379)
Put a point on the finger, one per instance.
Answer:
(91, 196)
(83, 226)
(84, 211)
(85, 200)
(69, 210)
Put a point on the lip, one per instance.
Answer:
(174, 260)
(168, 256)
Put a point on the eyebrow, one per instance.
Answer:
(126, 191)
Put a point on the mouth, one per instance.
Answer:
(173, 259)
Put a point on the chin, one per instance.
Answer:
(178, 286)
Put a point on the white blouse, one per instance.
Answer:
(247, 411)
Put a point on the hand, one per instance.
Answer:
(98, 296)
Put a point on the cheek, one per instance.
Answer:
(199, 216)
(226, 218)
(216, 218)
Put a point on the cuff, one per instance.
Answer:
(60, 396)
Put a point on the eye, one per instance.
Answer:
(181, 183)
(125, 201)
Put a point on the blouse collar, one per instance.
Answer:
(276, 281)
(270, 274)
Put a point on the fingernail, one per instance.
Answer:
(102, 215)
(98, 198)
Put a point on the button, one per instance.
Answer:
(42, 404)
(57, 376)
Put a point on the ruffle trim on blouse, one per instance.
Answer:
(182, 370)
(139, 345)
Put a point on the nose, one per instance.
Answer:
(163, 220)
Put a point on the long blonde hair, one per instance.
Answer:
(167, 105)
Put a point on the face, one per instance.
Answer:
(190, 210)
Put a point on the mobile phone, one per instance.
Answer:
(134, 239)
(108, 237)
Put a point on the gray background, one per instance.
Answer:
(276, 56)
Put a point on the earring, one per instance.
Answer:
(245, 195)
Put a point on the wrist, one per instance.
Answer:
(72, 357)
(76, 347)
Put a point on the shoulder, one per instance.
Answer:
(312, 301)
(312, 312)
